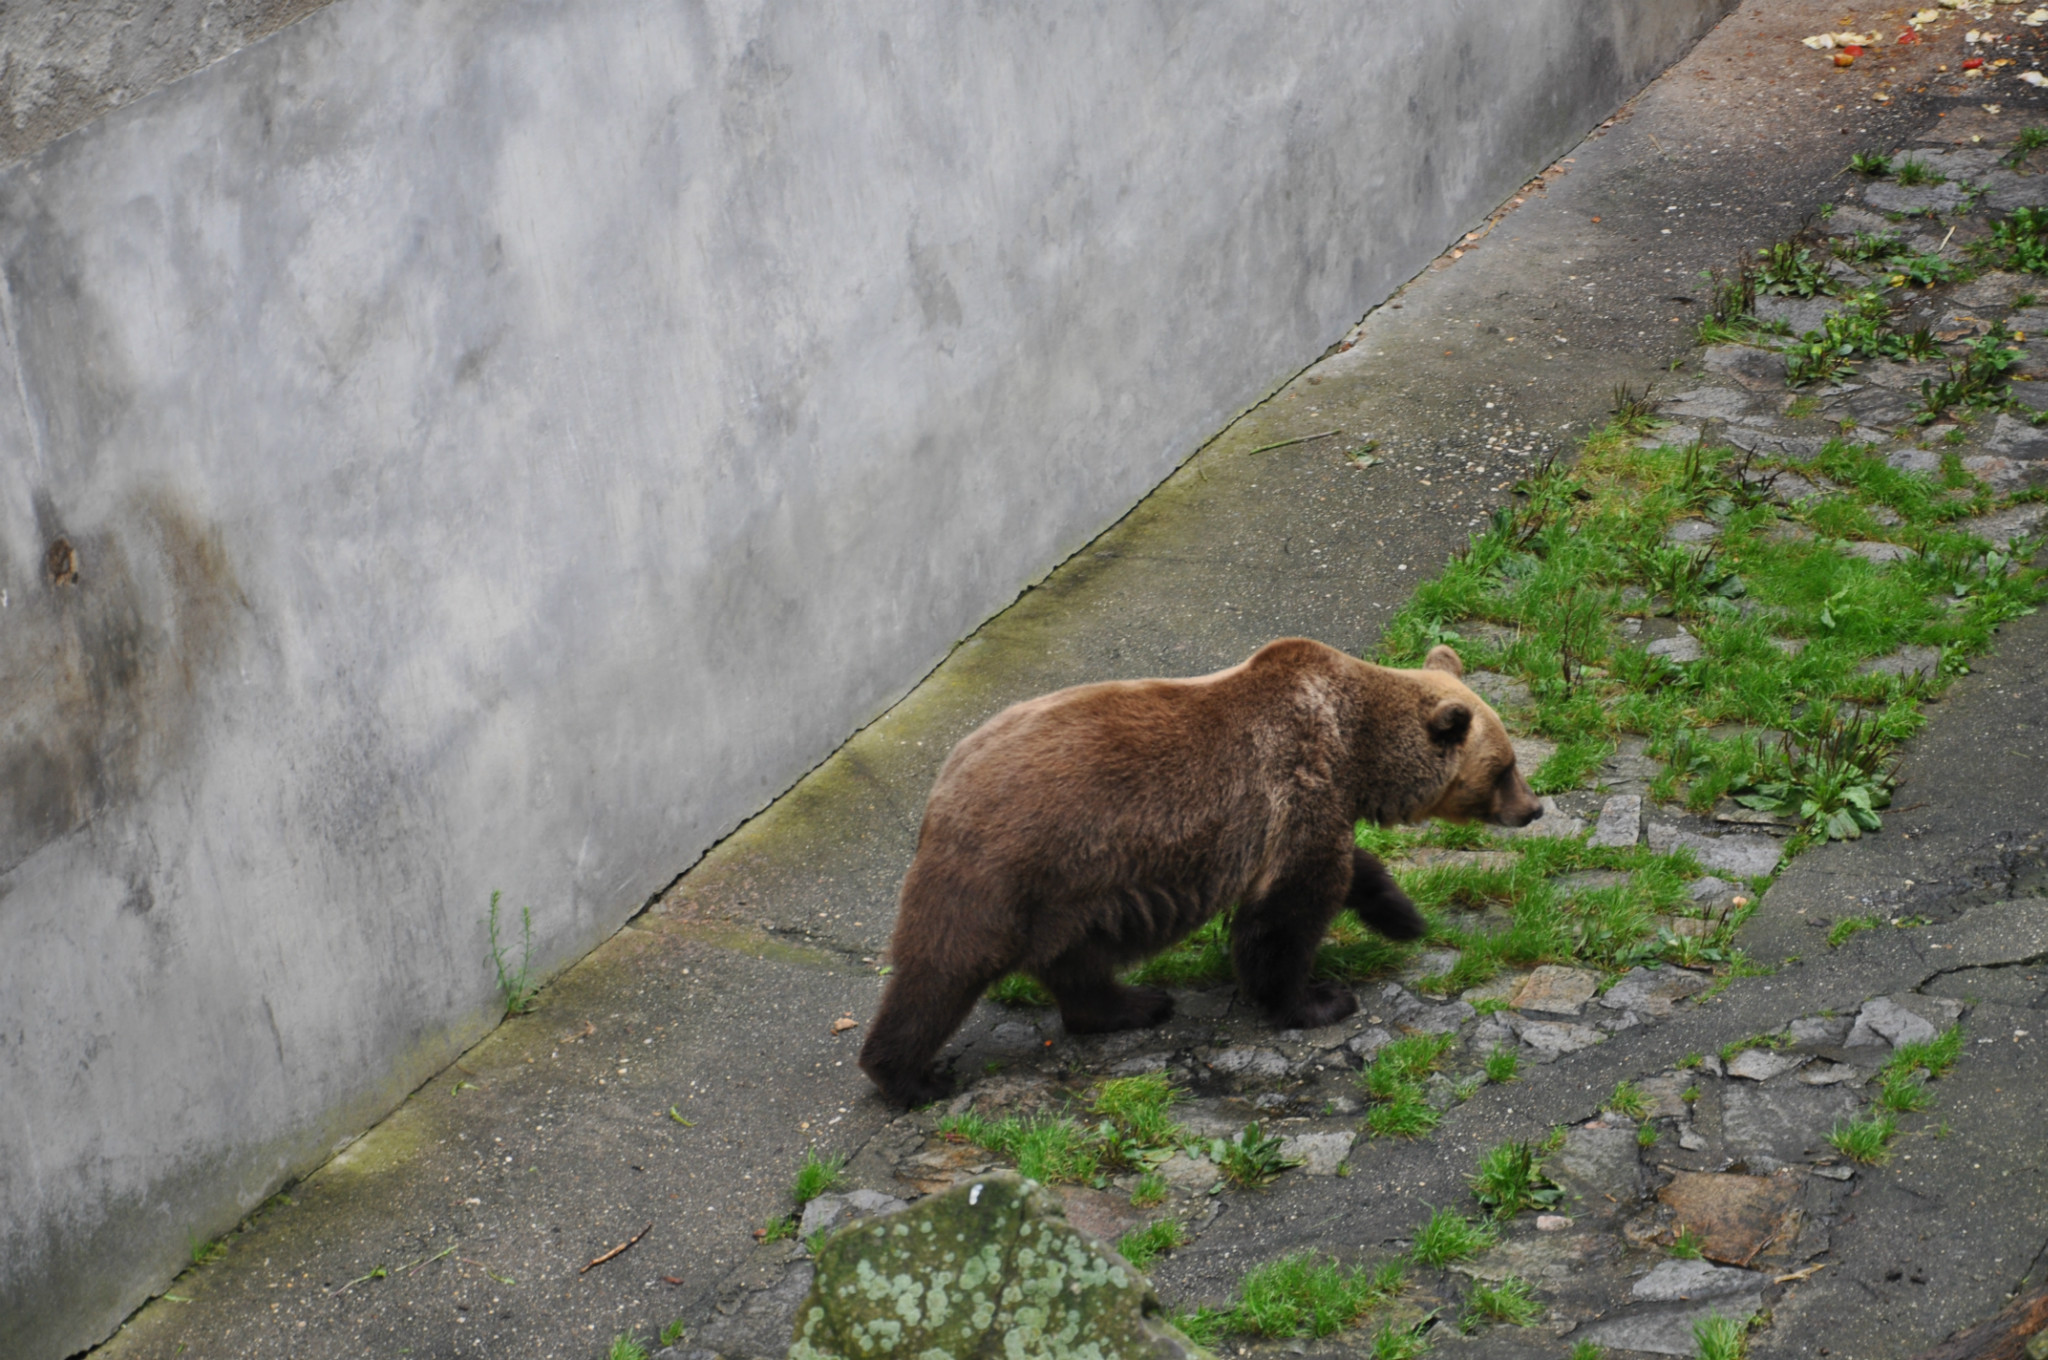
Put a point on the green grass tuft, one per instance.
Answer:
(1510, 1179)
(1866, 1139)
(816, 1176)
(1448, 1237)
(1143, 1246)
(1510, 1301)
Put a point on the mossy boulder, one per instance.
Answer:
(990, 1269)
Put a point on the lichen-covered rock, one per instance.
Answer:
(991, 1268)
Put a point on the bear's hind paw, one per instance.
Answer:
(1320, 1004)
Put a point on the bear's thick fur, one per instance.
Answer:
(1074, 834)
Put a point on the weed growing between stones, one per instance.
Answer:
(1509, 1301)
(1138, 1106)
(1841, 931)
(1302, 1295)
(1047, 1148)
(1449, 1237)
(1629, 1101)
(1394, 1081)
(1686, 1245)
(1720, 1338)
(1865, 1139)
(816, 1176)
(1510, 1179)
(1902, 1082)
(1586, 1350)
(1143, 1246)
(1501, 1064)
(1150, 1190)
(673, 1332)
(1251, 1159)
(1133, 1131)
(626, 1346)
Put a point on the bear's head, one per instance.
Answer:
(1485, 785)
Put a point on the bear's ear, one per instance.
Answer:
(1450, 722)
(1442, 658)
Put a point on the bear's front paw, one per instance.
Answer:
(1321, 1003)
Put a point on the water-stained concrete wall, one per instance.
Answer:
(453, 445)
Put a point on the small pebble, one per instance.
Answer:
(1552, 1223)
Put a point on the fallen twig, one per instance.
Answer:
(1303, 439)
(619, 1250)
(1799, 1274)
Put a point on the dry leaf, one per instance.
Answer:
(843, 1024)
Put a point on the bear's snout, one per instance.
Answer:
(1517, 804)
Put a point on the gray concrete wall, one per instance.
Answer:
(484, 444)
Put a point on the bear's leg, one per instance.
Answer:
(1377, 901)
(1273, 942)
(919, 1012)
(1092, 1001)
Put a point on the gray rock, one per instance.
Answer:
(2033, 395)
(1926, 462)
(1692, 531)
(1590, 880)
(1708, 403)
(1784, 1122)
(758, 1322)
(1368, 1042)
(1549, 1040)
(1883, 1020)
(1256, 1063)
(2002, 526)
(1654, 991)
(2005, 475)
(1501, 691)
(1878, 554)
(1793, 448)
(829, 1211)
(1672, 1281)
(1621, 821)
(1141, 1064)
(1445, 1019)
(1554, 822)
(1015, 1036)
(1491, 1032)
(2019, 438)
(1801, 314)
(1681, 649)
(1557, 990)
(1666, 1328)
(1708, 888)
(1531, 752)
(1600, 1164)
(1428, 963)
(1761, 1064)
(995, 1257)
(1320, 1154)
(1819, 1029)
(1746, 856)
(1887, 196)
(1189, 1173)
(1829, 1074)
(1906, 663)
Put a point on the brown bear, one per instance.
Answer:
(1074, 834)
